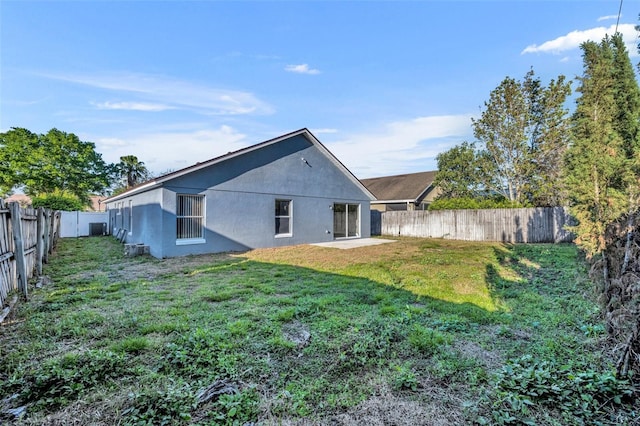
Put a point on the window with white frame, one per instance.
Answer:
(190, 217)
(283, 218)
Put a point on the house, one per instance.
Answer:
(413, 191)
(284, 191)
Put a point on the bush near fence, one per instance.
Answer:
(27, 237)
(524, 225)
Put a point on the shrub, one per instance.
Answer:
(58, 201)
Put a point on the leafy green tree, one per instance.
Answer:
(56, 161)
(523, 131)
(132, 171)
(15, 164)
(597, 161)
(460, 172)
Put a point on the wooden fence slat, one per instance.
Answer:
(21, 266)
(40, 241)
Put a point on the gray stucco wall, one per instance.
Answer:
(240, 196)
(145, 226)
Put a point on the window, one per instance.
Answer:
(190, 218)
(283, 217)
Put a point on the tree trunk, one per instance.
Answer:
(627, 245)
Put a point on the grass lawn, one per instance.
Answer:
(418, 331)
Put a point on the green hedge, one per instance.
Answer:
(473, 203)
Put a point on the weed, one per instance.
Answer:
(580, 394)
(131, 345)
(404, 377)
(201, 353)
(426, 340)
(236, 408)
(160, 405)
(59, 380)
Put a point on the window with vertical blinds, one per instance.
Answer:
(190, 217)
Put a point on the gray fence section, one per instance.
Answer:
(530, 225)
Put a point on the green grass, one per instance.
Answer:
(458, 332)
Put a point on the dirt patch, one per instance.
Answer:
(297, 333)
(489, 359)
(430, 407)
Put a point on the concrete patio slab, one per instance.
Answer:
(354, 243)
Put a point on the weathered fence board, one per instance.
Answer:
(26, 236)
(528, 225)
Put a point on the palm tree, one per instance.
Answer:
(133, 170)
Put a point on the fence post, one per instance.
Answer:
(47, 224)
(52, 230)
(40, 243)
(21, 264)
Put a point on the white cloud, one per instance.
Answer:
(323, 131)
(574, 39)
(608, 18)
(401, 145)
(170, 93)
(173, 150)
(301, 69)
(131, 106)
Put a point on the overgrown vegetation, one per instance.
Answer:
(412, 332)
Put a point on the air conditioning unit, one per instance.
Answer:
(99, 228)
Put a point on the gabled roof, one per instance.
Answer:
(153, 183)
(401, 188)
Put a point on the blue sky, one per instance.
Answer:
(385, 85)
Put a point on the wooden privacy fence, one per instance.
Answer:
(530, 225)
(27, 237)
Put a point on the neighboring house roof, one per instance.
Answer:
(410, 187)
(156, 182)
(22, 199)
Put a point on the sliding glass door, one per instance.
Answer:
(346, 220)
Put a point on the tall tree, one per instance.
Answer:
(596, 161)
(55, 161)
(627, 124)
(522, 129)
(132, 171)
